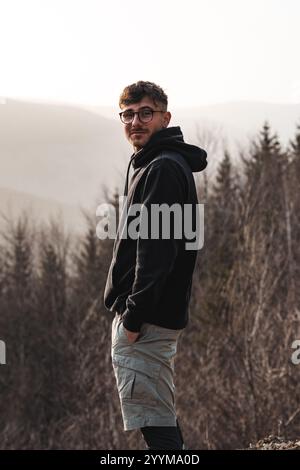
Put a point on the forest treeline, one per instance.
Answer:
(235, 381)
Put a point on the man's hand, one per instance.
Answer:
(131, 335)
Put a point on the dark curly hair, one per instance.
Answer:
(137, 91)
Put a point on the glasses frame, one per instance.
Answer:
(138, 113)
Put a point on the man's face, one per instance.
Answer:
(138, 133)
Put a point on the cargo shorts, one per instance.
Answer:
(144, 372)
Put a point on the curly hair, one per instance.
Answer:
(137, 91)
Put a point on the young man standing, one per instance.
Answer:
(149, 281)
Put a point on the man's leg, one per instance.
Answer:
(163, 437)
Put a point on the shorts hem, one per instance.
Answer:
(142, 422)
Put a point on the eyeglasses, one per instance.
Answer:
(144, 114)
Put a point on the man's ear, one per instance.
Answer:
(167, 118)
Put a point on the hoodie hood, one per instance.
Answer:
(170, 138)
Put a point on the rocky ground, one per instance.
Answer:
(276, 443)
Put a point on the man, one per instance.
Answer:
(149, 280)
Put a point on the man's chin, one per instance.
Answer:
(139, 141)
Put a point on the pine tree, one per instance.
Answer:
(223, 223)
(55, 379)
(295, 154)
(18, 312)
(264, 192)
(294, 222)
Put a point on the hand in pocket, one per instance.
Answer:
(131, 335)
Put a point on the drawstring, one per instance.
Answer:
(127, 174)
(122, 220)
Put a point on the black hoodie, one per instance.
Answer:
(150, 280)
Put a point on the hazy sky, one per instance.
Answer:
(199, 51)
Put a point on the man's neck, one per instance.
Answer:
(137, 149)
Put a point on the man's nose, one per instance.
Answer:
(135, 120)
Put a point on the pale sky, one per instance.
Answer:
(199, 51)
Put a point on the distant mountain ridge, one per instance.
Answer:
(67, 153)
(244, 118)
(15, 204)
(59, 152)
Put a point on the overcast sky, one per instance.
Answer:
(199, 51)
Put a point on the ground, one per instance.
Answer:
(276, 443)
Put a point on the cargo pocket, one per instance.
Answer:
(125, 379)
(136, 379)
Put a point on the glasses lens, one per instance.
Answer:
(127, 116)
(145, 115)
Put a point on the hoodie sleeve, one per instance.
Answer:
(164, 183)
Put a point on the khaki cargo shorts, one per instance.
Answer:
(144, 372)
